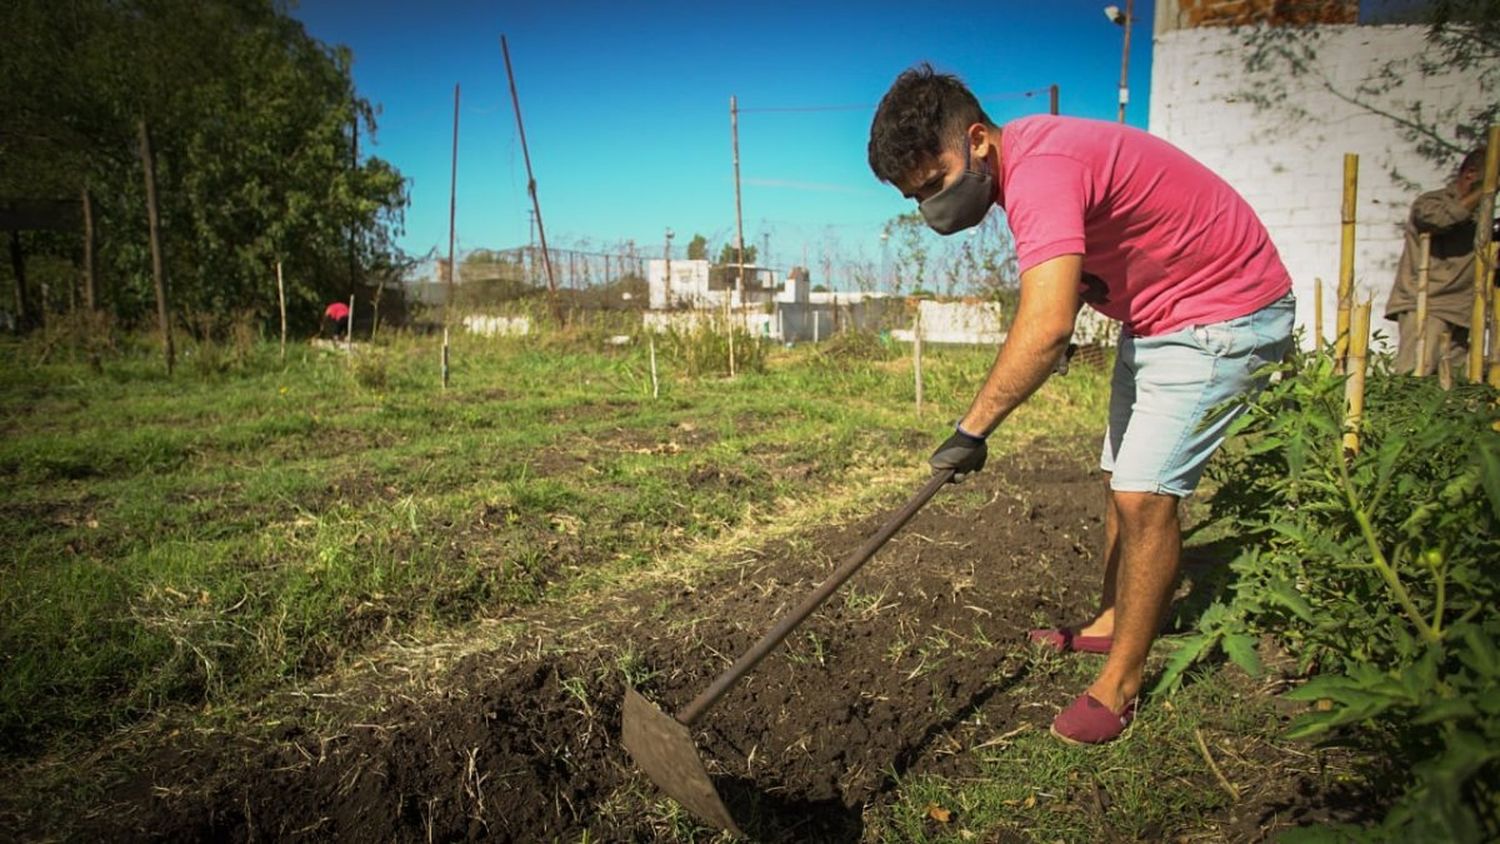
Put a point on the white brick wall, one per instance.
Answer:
(1291, 171)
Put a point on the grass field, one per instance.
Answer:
(180, 549)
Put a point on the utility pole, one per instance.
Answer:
(536, 205)
(1123, 19)
(739, 219)
(452, 216)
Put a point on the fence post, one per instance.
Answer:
(1424, 267)
(1354, 387)
(916, 355)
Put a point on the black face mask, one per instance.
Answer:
(963, 204)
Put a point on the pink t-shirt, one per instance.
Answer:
(1165, 242)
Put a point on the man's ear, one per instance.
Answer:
(980, 140)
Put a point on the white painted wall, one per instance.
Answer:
(1292, 171)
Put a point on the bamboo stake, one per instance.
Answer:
(729, 327)
(445, 357)
(1318, 315)
(655, 385)
(349, 329)
(916, 355)
(90, 276)
(1354, 387)
(281, 300)
(1494, 378)
(1346, 260)
(1424, 267)
(1482, 264)
(1444, 365)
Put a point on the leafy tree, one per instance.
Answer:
(254, 124)
(697, 248)
(730, 255)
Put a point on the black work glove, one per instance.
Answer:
(1061, 367)
(962, 452)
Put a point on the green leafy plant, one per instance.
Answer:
(1376, 570)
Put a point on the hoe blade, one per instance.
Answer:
(663, 747)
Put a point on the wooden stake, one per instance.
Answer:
(1354, 387)
(1494, 378)
(281, 299)
(1424, 267)
(1318, 315)
(536, 205)
(655, 385)
(1346, 260)
(90, 277)
(158, 276)
(1444, 365)
(452, 216)
(916, 355)
(1482, 264)
(729, 327)
(445, 357)
(349, 329)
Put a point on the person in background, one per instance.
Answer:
(1449, 216)
(1110, 216)
(337, 315)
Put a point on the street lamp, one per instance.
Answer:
(1123, 20)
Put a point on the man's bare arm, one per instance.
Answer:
(1038, 336)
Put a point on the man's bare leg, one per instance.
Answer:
(1149, 546)
(1104, 623)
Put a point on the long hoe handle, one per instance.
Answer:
(742, 666)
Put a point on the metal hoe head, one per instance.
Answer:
(663, 747)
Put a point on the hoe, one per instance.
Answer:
(662, 745)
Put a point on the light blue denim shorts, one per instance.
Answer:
(1165, 388)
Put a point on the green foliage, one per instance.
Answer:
(697, 248)
(704, 349)
(254, 127)
(1379, 569)
(729, 255)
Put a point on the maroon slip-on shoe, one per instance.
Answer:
(1087, 721)
(1067, 641)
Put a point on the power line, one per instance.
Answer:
(1010, 95)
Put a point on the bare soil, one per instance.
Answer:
(919, 659)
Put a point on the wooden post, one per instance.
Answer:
(655, 385)
(18, 269)
(1354, 387)
(536, 205)
(1424, 267)
(90, 277)
(916, 355)
(349, 329)
(452, 216)
(281, 300)
(375, 310)
(729, 327)
(1318, 315)
(1482, 263)
(1494, 378)
(739, 218)
(1052, 96)
(445, 357)
(817, 324)
(1346, 260)
(157, 275)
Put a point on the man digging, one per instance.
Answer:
(1110, 216)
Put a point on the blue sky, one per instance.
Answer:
(627, 107)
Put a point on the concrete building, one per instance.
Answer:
(1280, 138)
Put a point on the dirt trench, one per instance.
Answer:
(893, 676)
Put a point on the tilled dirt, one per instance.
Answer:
(913, 662)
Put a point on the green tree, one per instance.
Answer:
(697, 248)
(729, 255)
(254, 124)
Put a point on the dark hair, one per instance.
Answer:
(921, 113)
(1473, 162)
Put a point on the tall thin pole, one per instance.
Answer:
(1482, 266)
(281, 299)
(452, 216)
(1052, 96)
(90, 279)
(353, 168)
(157, 274)
(1125, 60)
(1318, 315)
(531, 185)
(1346, 260)
(1424, 270)
(739, 217)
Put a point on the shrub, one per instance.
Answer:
(1379, 570)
